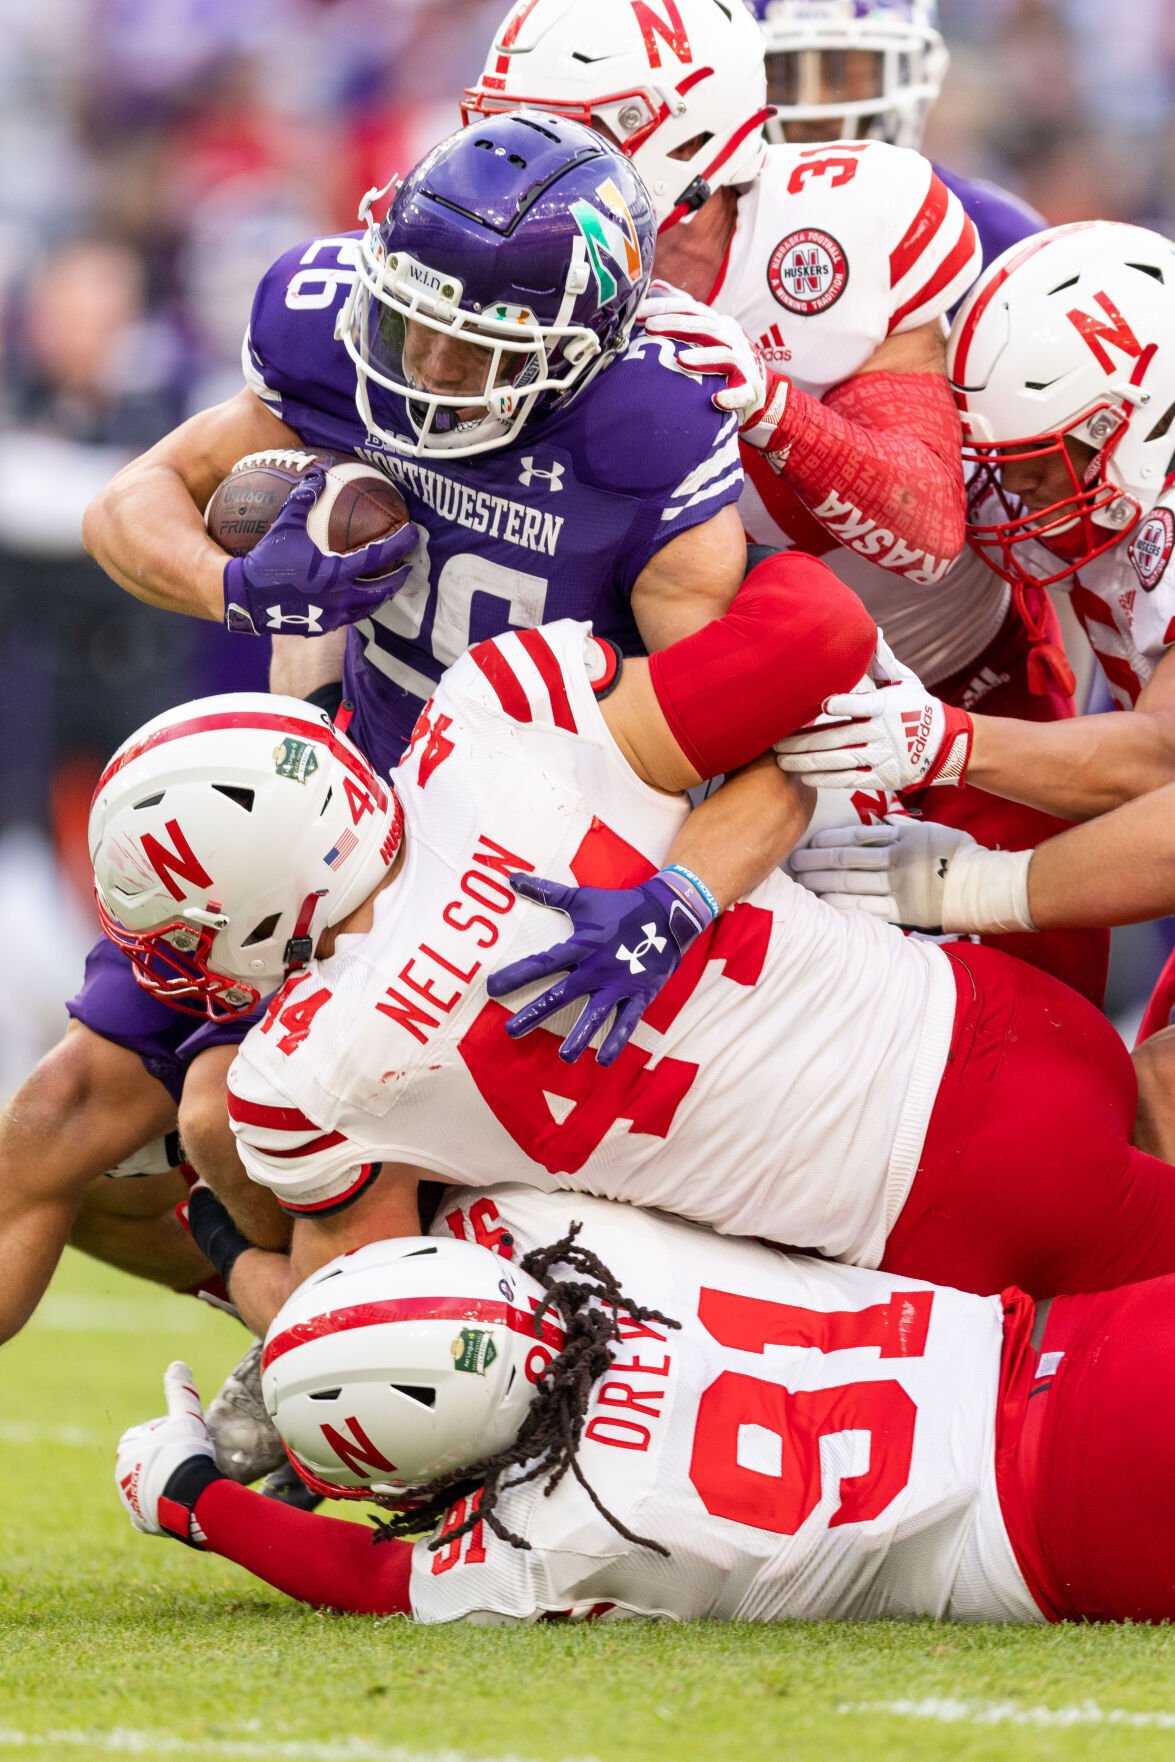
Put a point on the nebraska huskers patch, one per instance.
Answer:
(808, 272)
(1151, 547)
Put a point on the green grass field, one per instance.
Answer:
(112, 1644)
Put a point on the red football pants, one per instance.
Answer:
(1028, 1176)
(1088, 1485)
(996, 684)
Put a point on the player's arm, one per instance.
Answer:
(891, 733)
(169, 1484)
(1084, 766)
(146, 528)
(1117, 869)
(712, 702)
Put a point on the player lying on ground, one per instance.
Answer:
(805, 1074)
(603, 490)
(1063, 362)
(647, 1419)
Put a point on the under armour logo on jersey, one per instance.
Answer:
(311, 619)
(554, 476)
(633, 955)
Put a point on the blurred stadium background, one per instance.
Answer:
(156, 155)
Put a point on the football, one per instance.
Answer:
(356, 507)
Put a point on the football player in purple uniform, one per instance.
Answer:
(477, 343)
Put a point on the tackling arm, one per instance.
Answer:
(1085, 766)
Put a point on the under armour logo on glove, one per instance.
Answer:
(660, 918)
(634, 956)
(286, 583)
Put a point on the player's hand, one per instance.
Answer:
(919, 875)
(165, 1464)
(888, 733)
(719, 345)
(286, 584)
(625, 943)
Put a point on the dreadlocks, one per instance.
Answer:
(590, 1307)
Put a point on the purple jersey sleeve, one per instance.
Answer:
(1001, 219)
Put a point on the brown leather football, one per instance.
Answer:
(357, 505)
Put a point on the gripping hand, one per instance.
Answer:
(625, 943)
(165, 1464)
(888, 733)
(919, 875)
(286, 584)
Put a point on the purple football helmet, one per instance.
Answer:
(506, 273)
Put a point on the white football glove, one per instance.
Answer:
(919, 875)
(719, 345)
(165, 1464)
(888, 733)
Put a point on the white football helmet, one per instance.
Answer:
(657, 77)
(851, 69)
(225, 836)
(404, 1361)
(1068, 337)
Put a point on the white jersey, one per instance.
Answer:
(813, 1441)
(779, 1085)
(1125, 600)
(835, 248)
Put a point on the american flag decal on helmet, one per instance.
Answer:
(336, 857)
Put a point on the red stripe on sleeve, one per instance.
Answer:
(943, 276)
(922, 229)
(488, 658)
(327, 1141)
(545, 659)
(274, 1119)
(367, 1172)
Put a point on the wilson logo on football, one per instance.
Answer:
(917, 725)
(808, 272)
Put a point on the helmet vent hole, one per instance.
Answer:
(326, 803)
(1062, 285)
(1151, 269)
(242, 797)
(1162, 426)
(149, 801)
(417, 1252)
(325, 1394)
(416, 1392)
(263, 931)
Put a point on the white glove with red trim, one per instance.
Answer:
(917, 874)
(889, 733)
(165, 1464)
(719, 345)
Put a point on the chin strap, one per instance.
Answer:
(300, 947)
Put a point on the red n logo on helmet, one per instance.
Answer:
(358, 1452)
(181, 861)
(1114, 331)
(653, 26)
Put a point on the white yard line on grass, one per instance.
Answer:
(14, 1431)
(123, 1742)
(949, 1712)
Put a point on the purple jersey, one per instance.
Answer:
(558, 525)
(1000, 218)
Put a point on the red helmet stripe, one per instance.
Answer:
(258, 719)
(489, 1310)
(967, 333)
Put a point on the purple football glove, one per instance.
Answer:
(626, 942)
(285, 583)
